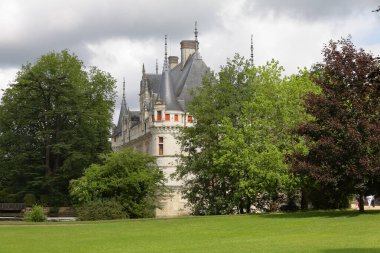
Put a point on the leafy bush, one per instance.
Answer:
(128, 176)
(36, 215)
(101, 210)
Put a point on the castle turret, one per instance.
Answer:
(166, 93)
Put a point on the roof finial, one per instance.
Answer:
(123, 88)
(196, 36)
(156, 67)
(252, 49)
(166, 54)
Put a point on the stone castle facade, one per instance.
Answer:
(153, 129)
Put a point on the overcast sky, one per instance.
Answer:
(119, 36)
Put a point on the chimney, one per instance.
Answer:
(173, 61)
(187, 49)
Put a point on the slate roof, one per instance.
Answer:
(166, 93)
(191, 77)
(154, 82)
(123, 112)
(182, 80)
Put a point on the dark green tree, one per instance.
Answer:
(235, 152)
(54, 122)
(344, 137)
(130, 177)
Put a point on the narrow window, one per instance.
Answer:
(159, 115)
(189, 118)
(175, 117)
(160, 145)
(167, 117)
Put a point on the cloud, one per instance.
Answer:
(124, 58)
(7, 76)
(310, 11)
(119, 36)
(32, 28)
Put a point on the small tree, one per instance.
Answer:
(131, 178)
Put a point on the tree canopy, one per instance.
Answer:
(130, 177)
(344, 137)
(235, 152)
(55, 120)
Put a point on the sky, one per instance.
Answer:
(119, 36)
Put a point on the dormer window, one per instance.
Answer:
(159, 115)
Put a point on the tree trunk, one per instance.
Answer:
(47, 155)
(57, 156)
(248, 206)
(361, 203)
(304, 199)
(241, 208)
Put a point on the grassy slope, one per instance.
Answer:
(298, 232)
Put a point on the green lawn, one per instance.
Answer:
(335, 231)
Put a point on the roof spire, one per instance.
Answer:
(196, 36)
(252, 49)
(166, 67)
(143, 69)
(123, 89)
(156, 67)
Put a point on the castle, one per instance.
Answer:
(153, 129)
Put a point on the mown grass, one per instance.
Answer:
(326, 232)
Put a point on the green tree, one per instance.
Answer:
(235, 152)
(130, 177)
(54, 122)
(344, 137)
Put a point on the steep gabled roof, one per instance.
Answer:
(154, 82)
(123, 113)
(190, 77)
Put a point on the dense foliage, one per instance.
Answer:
(129, 177)
(344, 138)
(107, 209)
(235, 152)
(54, 122)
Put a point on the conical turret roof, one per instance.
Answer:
(166, 92)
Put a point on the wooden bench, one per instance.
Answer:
(12, 209)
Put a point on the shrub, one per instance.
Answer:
(101, 210)
(131, 177)
(36, 215)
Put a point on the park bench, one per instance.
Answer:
(12, 209)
